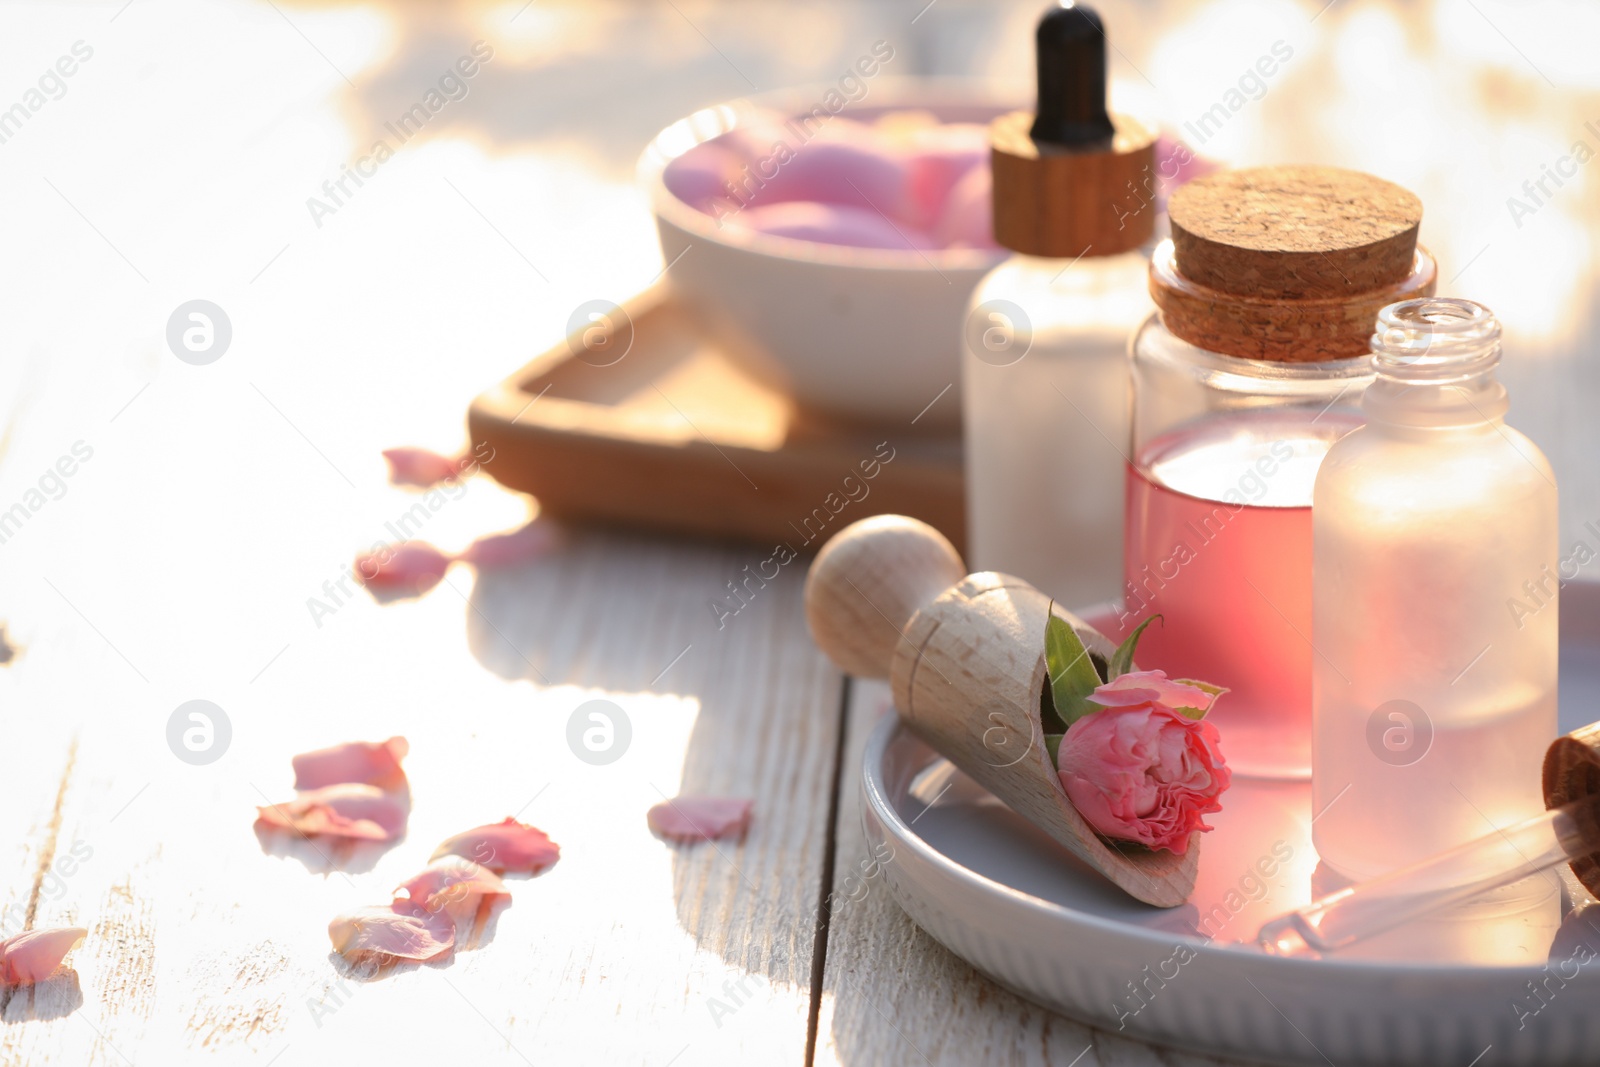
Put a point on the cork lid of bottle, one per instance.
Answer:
(1071, 179)
(1294, 233)
(1289, 264)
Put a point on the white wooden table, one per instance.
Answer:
(180, 560)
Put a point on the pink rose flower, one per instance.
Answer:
(1141, 770)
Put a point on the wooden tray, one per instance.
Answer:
(672, 436)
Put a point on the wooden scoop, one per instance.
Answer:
(885, 598)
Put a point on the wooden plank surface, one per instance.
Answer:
(180, 561)
(204, 947)
(892, 995)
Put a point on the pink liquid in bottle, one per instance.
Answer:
(1219, 545)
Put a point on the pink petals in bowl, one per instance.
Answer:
(33, 955)
(883, 184)
(504, 847)
(688, 819)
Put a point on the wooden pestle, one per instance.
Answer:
(886, 598)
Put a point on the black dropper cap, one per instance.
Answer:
(1071, 54)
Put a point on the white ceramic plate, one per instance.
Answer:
(1453, 991)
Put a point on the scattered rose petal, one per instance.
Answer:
(371, 762)
(503, 847)
(453, 885)
(508, 549)
(357, 811)
(35, 954)
(424, 469)
(693, 818)
(402, 930)
(411, 568)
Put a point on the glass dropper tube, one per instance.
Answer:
(1368, 908)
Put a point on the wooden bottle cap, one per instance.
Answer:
(1069, 202)
(1294, 233)
(1572, 772)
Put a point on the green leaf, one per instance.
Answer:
(1122, 659)
(1216, 692)
(1052, 744)
(1072, 674)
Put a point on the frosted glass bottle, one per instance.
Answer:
(1045, 402)
(1434, 540)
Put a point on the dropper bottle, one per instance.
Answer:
(1045, 377)
(1434, 532)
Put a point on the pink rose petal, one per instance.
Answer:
(838, 161)
(1151, 687)
(356, 811)
(937, 159)
(509, 549)
(1177, 163)
(453, 885)
(424, 469)
(411, 568)
(35, 954)
(372, 762)
(834, 224)
(695, 818)
(703, 175)
(1140, 770)
(967, 217)
(503, 847)
(401, 930)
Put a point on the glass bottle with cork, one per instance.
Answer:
(1435, 684)
(1248, 372)
(1045, 363)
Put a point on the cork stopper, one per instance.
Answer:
(1294, 232)
(1572, 772)
(1290, 264)
(1071, 179)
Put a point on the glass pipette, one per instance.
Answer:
(1497, 859)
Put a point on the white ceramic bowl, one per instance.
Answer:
(853, 334)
